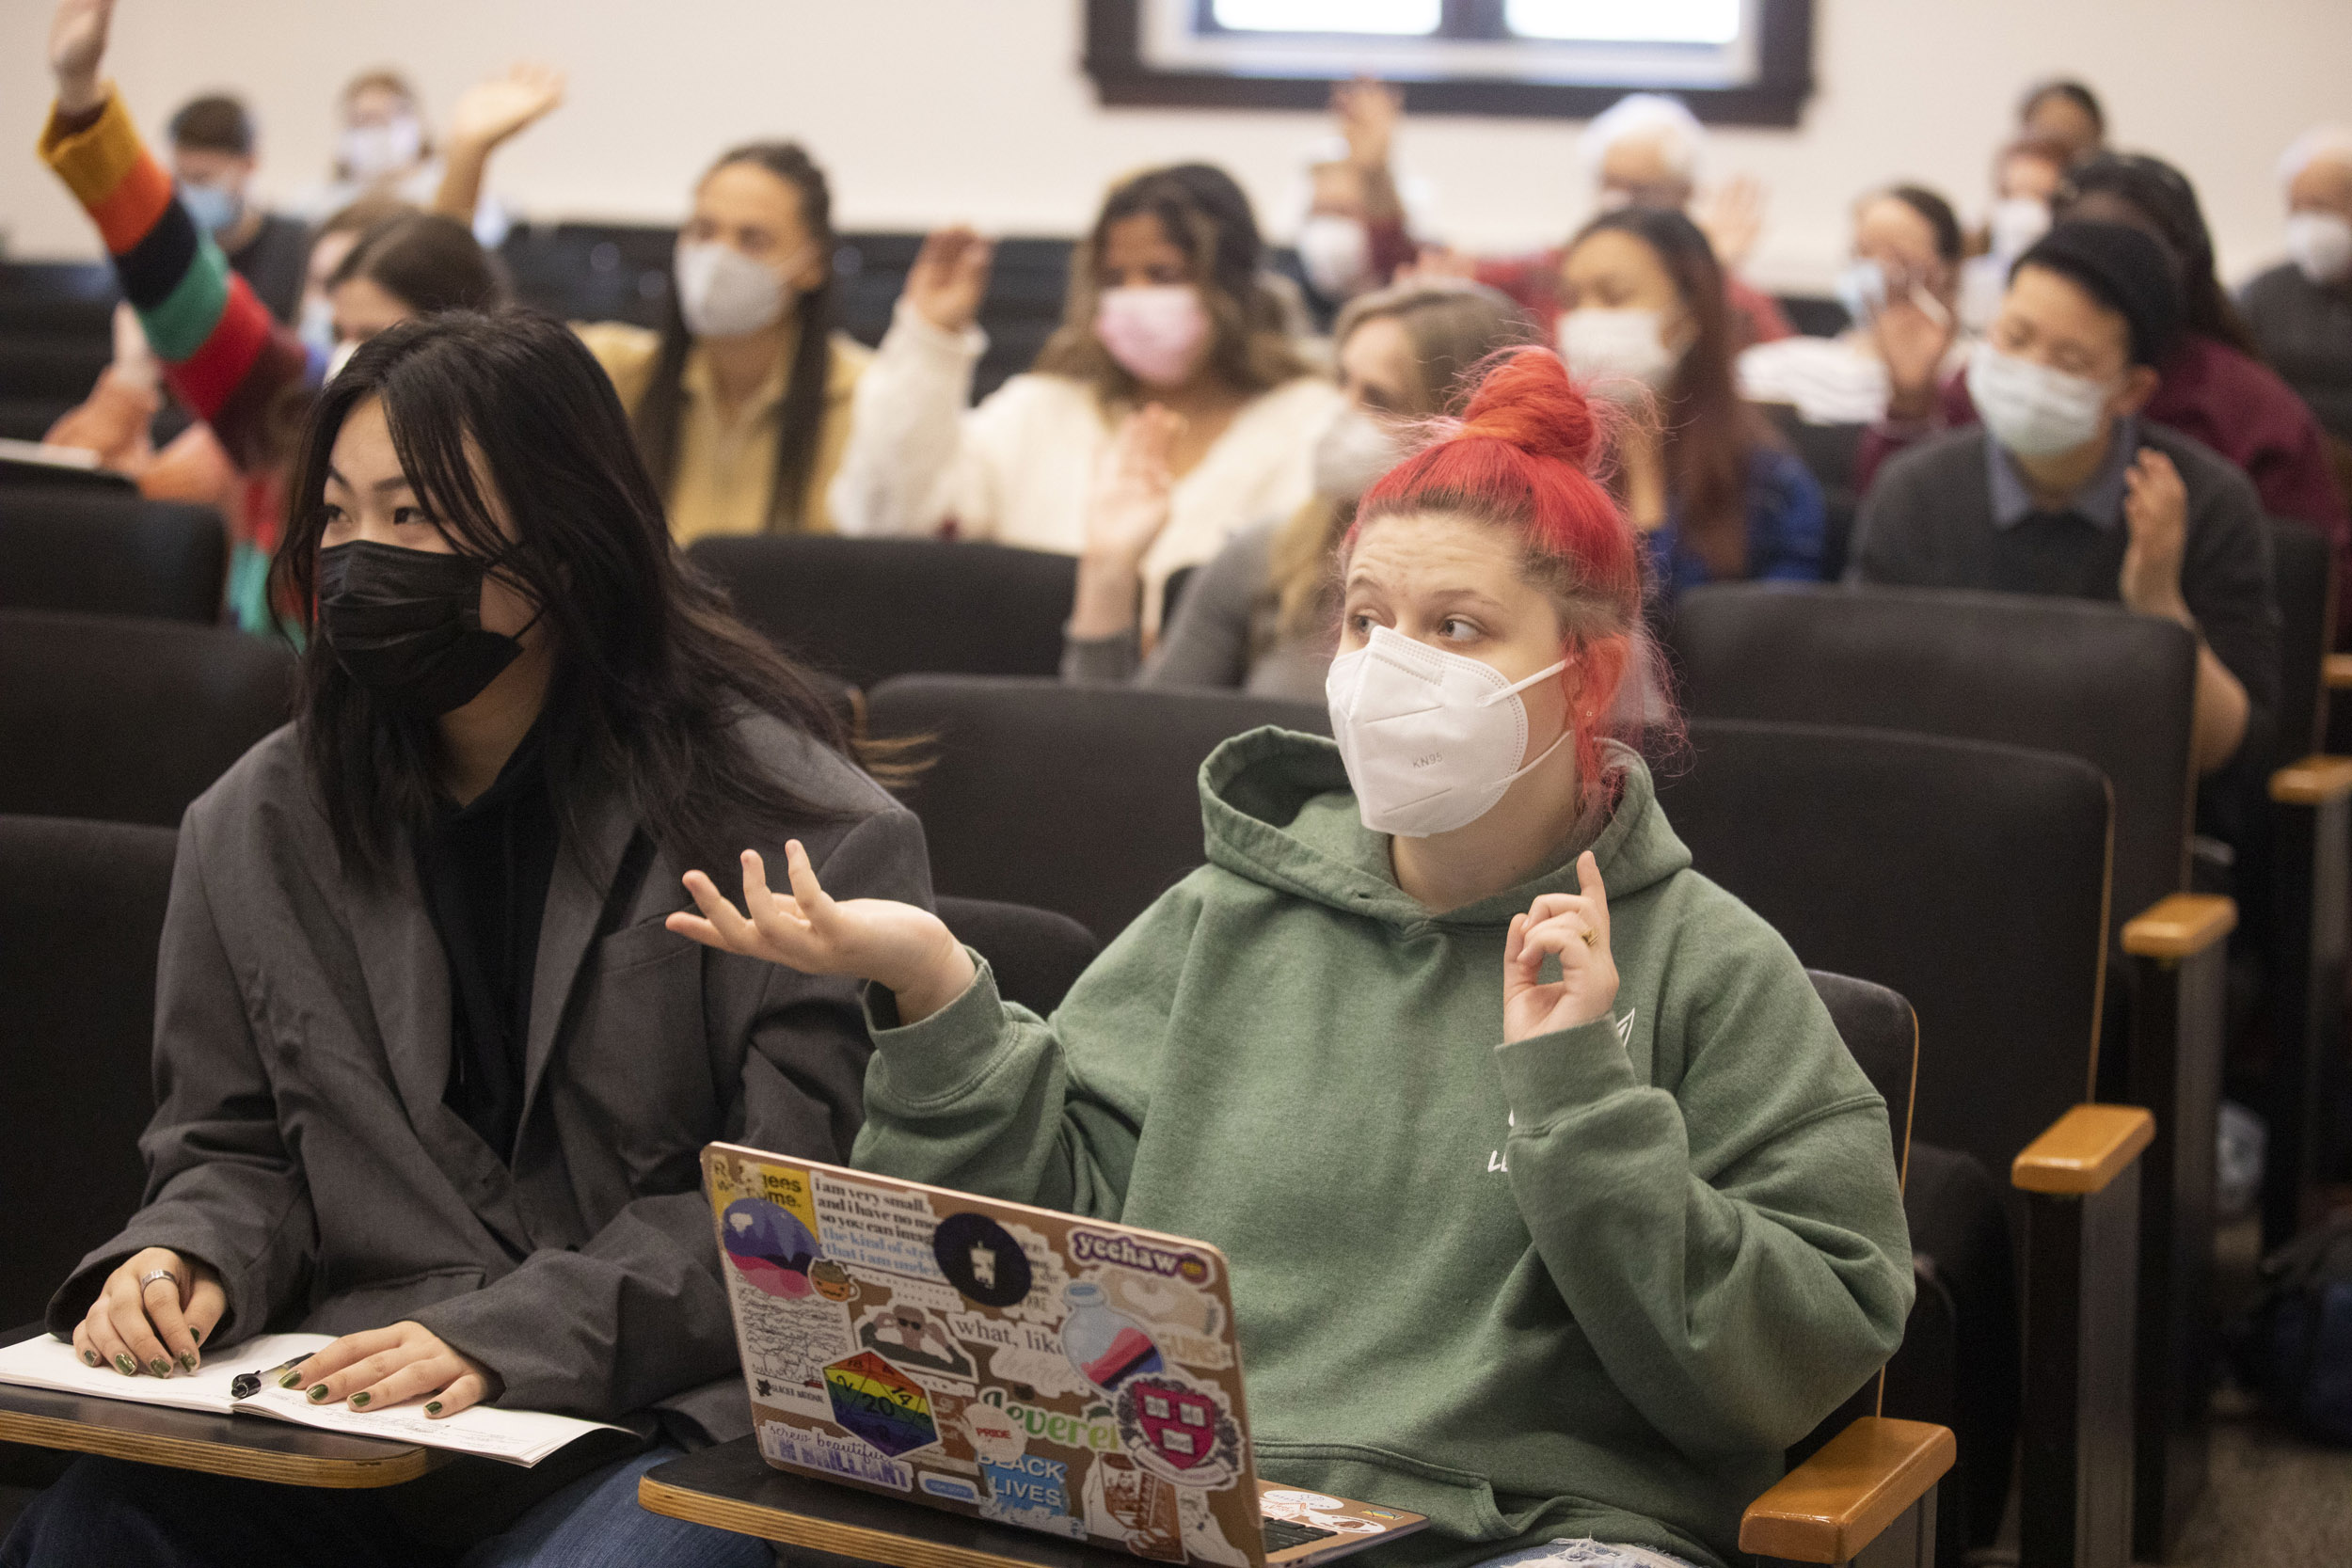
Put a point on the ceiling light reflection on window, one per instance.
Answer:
(1392, 18)
(1709, 22)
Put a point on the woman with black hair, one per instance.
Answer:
(433, 1074)
(741, 401)
(2211, 387)
(1709, 486)
(1167, 307)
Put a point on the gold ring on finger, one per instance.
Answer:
(1590, 936)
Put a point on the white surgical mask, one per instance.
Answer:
(723, 293)
(1431, 739)
(1335, 252)
(212, 208)
(1601, 345)
(317, 326)
(1352, 453)
(2031, 409)
(2320, 246)
(1155, 330)
(374, 151)
(1862, 290)
(2017, 222)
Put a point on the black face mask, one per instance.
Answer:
(407, 625)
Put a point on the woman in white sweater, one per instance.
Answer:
(1165, 306)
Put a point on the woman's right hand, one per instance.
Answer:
(1911, 342)
(949, 278)
(909, 950)
(77, 43)
(149, 1328)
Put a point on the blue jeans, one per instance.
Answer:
(1583, 1554)
(106, 1512)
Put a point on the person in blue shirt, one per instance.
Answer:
(1704, 476)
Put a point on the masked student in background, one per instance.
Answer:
(213, 150)
(2209, 386)
(1359, 228)
(1644, 1212)
(1902, 279)
(1260, 614)
(2300, 311)
(2026, 175)
(2068, 487)
(1705, 478)
(383, 149)
(1166, 306)
(1646, 150)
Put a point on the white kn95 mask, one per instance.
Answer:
(1431, 739)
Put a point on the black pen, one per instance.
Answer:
(246, 1384)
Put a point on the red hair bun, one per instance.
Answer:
(1527, 399)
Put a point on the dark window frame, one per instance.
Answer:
(1124, 79)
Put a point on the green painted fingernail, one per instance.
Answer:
(126, 1366)
(359, 1398)
(318, 1392)
(188, 1361)
(432, 1407)
(90, 1356)
(160, 1366)
(291, 1380)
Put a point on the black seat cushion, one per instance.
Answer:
(1084, 799)
(2090, 680)
(81, 916)
(128, 721)
(870, 609)
(1037, 955)
(94, 553)
(1967, 877)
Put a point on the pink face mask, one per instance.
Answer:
(1153, 330)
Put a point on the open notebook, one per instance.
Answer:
(516, 1436)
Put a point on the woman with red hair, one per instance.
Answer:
(1556, 1208)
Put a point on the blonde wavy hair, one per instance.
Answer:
(1453, 328)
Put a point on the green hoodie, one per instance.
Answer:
(1590, 1284)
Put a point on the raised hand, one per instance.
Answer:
(151, 1315)
(492, 111)
(949, 278)
(1368, 111)
(1733, 219)
(1129, 505)
(385, 1367)
(909, 950)
(2155, 510)
(77, 45)
(1912, 341)
(1574, 929)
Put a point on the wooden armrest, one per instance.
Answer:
(2084, 1150)
(2179, 927)
(1836, 1503)
(2339, 672)
(2313, 781)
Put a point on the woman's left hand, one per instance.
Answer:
(385, 1367)
(1574, 929)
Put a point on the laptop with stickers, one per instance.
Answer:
(1009, 1363)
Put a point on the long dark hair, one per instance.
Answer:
(652, 672)
(1207, 216)
(1710, 434)
(799, 419)
(2166, 202)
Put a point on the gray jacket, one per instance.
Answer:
(301, 1148)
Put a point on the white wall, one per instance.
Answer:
(926, 110)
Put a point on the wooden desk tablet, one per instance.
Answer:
(731, 1488)
(253, 1447)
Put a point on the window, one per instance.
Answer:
(1733, 61)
